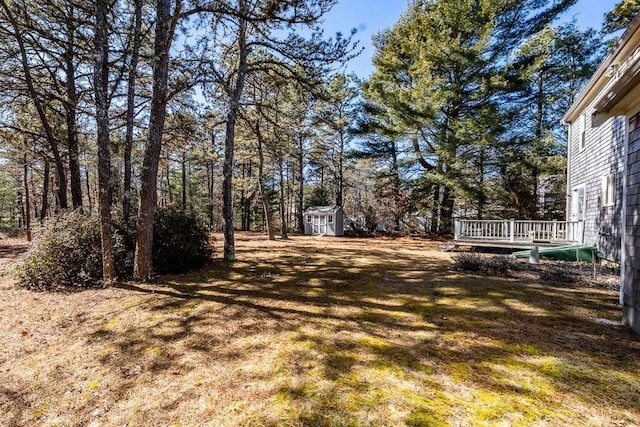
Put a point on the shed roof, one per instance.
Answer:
(323, 210)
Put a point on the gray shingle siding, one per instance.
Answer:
(631, 283)
(602, 155)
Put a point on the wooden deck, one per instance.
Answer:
(516, 233)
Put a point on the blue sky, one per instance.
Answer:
(371, 16)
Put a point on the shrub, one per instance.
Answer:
(67, 252)
(500, 264)
(126, 238)
(181, 242)
(474, 262)
(371, 219)
(468, 261)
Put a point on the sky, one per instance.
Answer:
(371, 16)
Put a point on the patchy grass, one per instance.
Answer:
(320, 332)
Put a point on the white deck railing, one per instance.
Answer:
(518, 230)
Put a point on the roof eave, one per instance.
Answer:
(596, 82)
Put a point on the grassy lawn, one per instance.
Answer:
(320, 332)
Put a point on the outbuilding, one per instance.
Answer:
(324, 221)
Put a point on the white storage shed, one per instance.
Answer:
(324, 221)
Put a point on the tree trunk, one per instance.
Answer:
(168, 172)
(210, 206)
(129, 119)
(20, 203)
(70, 113)
(537, 148)
(248, 200)
(436, 223)
(101, 81)
(446, 211)
(435, 211)
(27, 201)
(300, 180)
(283, 212)
(45, 190)
(74, 164)
(184, 180)
(340, 172)
(481, 194)
(86, 179)
(242, 200)
(143, 264)
(397, 195)
(227, 169)
(268, 218)
(56, 198)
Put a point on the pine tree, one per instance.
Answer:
(621, 16)
(442, 72)
(337, 115)
(551, 68)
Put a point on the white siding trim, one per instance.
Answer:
(608, 190)
(574, 193)
(568, 186)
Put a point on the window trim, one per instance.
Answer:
(608, 190)
(582, 144)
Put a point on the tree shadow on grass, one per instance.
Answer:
(355, 332)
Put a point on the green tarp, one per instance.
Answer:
(564, 253)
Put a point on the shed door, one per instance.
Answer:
(323, 225)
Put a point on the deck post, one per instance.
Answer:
(512, 230)
(554, 229)
(580, 237)
(456, 229)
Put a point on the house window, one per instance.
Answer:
(583, 131)
(309, 219)
(330, 219)
(608, 190)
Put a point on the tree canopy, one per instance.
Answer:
(621, 16)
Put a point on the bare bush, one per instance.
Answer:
(474, 262)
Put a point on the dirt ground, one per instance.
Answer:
(319, 331)
(10, 250)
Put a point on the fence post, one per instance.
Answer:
(456, 229)
(512, 230)
(555, 229)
